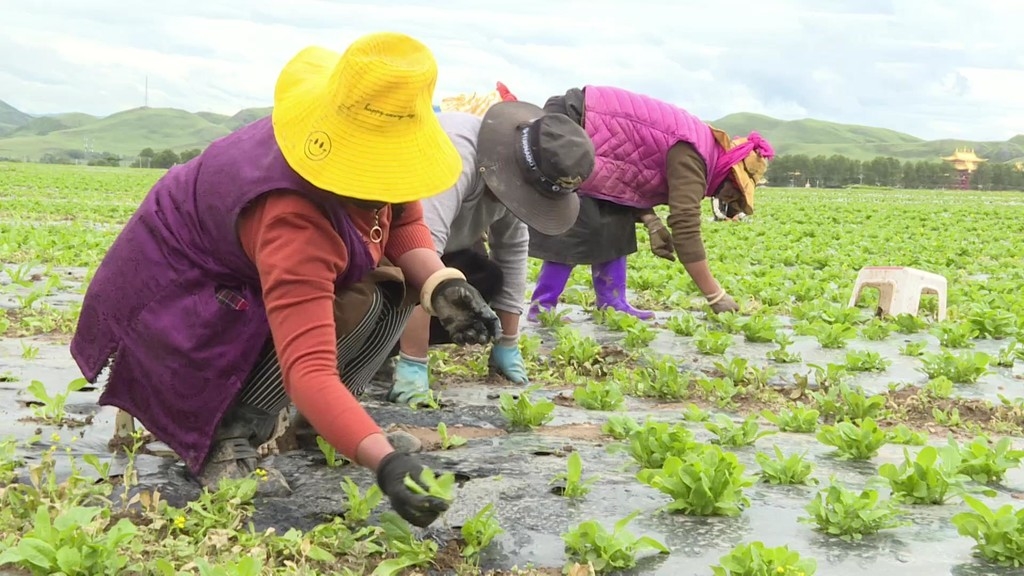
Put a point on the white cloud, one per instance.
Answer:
(933, 69)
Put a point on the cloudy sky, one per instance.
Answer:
(932, 68)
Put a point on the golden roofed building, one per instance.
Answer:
(964, 160)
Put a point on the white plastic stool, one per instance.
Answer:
(900, 288)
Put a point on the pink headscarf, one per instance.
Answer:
(735, 155)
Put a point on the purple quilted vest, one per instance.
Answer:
(632, 134)
(181, 353)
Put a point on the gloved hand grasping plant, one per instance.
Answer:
(417, 509)
(722, 302)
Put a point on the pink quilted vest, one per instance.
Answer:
(632, 134)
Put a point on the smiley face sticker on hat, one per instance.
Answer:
(318, 145)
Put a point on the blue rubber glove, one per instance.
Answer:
(507, 360)
(412, 380)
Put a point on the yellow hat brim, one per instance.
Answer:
(337, 152)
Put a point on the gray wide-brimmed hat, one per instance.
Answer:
(534, 163)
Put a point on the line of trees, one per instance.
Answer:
(149, 158)
(838, 171)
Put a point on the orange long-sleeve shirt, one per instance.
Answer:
(299, 256)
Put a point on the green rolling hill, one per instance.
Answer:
(126, 133)
(813, 137)
(11, 118)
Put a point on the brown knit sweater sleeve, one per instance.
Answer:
(687, 181)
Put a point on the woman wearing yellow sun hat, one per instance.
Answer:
(280, 266)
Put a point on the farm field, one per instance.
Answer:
(800, 434)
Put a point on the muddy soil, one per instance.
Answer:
(513, 470)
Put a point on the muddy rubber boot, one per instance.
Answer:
(610, 288)
(233, 455)
(550, 284)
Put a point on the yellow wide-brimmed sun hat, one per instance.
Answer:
(361, 124)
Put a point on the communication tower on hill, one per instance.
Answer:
(965, 162)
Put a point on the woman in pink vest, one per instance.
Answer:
(280, 266)
(648, 153)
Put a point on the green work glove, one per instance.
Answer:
(507, 360)
(412, 380)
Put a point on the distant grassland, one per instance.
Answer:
(126, 133)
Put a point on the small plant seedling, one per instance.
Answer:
(730, 322)
(792, 469)
(964, 368)
(798, 418)
(913, 348)
(523, 412)
(684, 324)
(850, 515)
(865, 361)
(760, 328)
(694, 413)
(655, 441)
(1009, 354)
(998, 534)
(711, 342)
(852, 441)
(441, 487)
(9, 461)
(855, 406)
(782, 355)
(579, 352)
(552, 318)
(29, 351)
(478, 532)
(620, 426)
(599, 395)
(639, 336)
(954, 335)
(427, 399)
(833, 336)
(909, 323)
(409, 551)
(987, 462)
(876, 329)
(334, 460)
(360, 505)
(608, 551)
(901, 434)
(994, 323)
(755, 559)
(52, 545)
(730, 433)
(939, 387)
(705, 481)
(448, 441)
(932, 477)
(575, 485)
(50, 409)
